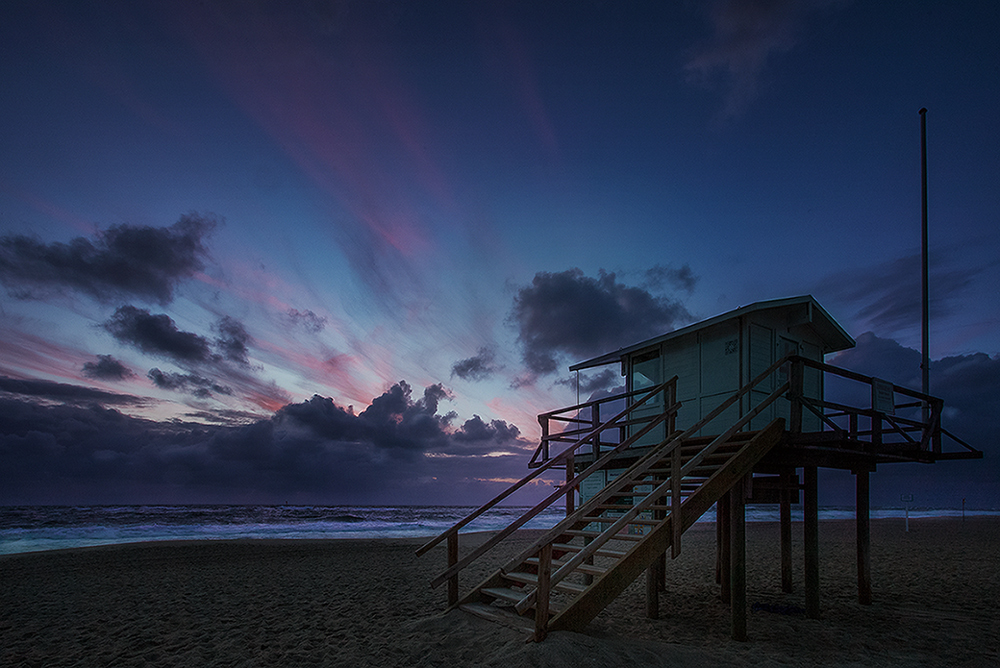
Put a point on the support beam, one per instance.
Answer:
(724, 546)
(719, 537)
(738, 560)
(811, 540)
(652, 591)
(861, 512)
(786, 530)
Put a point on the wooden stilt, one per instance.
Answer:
(725, 543)
(652, 591)
(738, 561)
(719, 537)
(864, 538)
(786, 531)
(811, 540)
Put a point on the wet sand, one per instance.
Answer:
(936, 594)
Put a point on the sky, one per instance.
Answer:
(344, 252)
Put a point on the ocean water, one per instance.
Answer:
(35, 528)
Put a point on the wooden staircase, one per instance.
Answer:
(580, 565)
(576, 569)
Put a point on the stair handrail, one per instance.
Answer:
(568, 436)
(561, 490)
(654, 455)
(589, 550)
(423, 549)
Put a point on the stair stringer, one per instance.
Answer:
(608, 586)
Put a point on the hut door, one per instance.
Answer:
(646, 371)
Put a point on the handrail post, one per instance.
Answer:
(795, 385)
(936, 410)
(542, 596)
(571, 492)
(543, 421)
(452, 560)
(595, 419)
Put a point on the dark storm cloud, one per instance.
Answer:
(887, 297)
(107, 368)
(476, 430)
(478, 367)
(157, 335)
(201, 387)
(64, 392)
(315, 449)
(306, 320)
(233, 340)
(567, 313)
(123, 261)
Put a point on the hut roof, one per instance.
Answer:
(807, 310)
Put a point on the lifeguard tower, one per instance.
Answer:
(719, 414)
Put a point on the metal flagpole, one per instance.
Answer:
(925, 363)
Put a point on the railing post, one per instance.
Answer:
(595, 419)
(452, 560)
(542, 597)
(571, 492)
(795, 388)
(675, 502)
(936, 411)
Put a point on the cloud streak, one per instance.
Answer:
(75, 395)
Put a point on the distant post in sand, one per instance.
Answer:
(907, 499)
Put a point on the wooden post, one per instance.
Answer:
(864, 538)
(786, 530)
(811, 540)
(652, 590)
(796, 385)
(595, 422)
(738, 560)
(570, 493)
(675, 502)
(542, 597)
(452, 560)
(724, 559)
(719, 537)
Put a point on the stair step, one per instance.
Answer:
(512, 596)
(612, 520)
(589, 569)
(602, 552)
(595, 534)
(531, 578)
(500, 616)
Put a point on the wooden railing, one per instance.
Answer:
(564, 458)
(877, 424)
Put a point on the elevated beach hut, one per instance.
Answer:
(718, 414)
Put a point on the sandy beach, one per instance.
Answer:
(367, 603)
